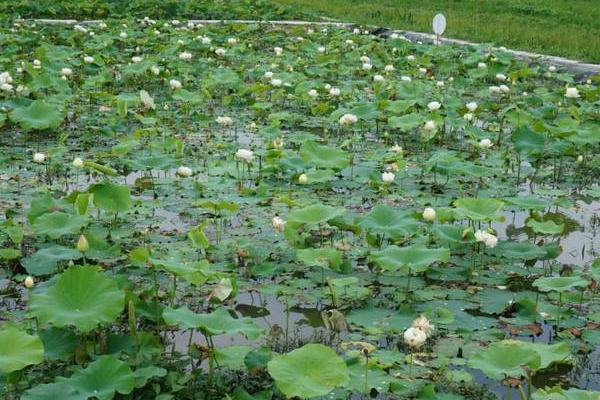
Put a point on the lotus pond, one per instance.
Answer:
(256, 212)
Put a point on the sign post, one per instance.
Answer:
(439, 26)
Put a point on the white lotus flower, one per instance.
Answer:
(429, 214)
(244, 155)
(77, 163)
(487, 238)
(321, 49)
(224, 120)
(365, 60)
(334, 91)
(155, 70)
(410, 58)
(39, 158)
(378, 78)
(481, 65)
(175, 84)
(572, 92)
(494, 89)
(350, 42)
(278, 223)
(220, 51)
(579, 159)
(206, 40)
(232, 41)
(552, 68)
(472, 106)
(276, 82)
(405, 78)
(88, 59)
(468, 117)
(147, 100)
(185, 55)
(430, 125)
(389, 68)
(424, 325)
(356, 31)
(348, 119)
(414, 337)
(388, 177)
(434, 106)
(66, 71)
(184, 171)
(313, 93)
(123, 35)
(485, 143)
(501, 77)
(396, 149)
(504, 89)
(278, 51)
(37, 64)
(423, 70)
(367, 67)
(439, 84)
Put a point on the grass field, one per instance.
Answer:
(569, 28)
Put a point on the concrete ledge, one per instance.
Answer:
(575, 66)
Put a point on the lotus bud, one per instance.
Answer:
(83, 244)
(429, 214)
(303, 179)
(29, 282)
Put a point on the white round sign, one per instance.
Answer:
(439, 24)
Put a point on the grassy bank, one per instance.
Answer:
(569, 28)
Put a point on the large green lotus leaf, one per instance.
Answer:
(550, 353)
(378, 379)
(559, 283)
(526, 141)
(225, 77)
(44, 261)
(367, 111)
(325, 257)
(385, 220)
(102, 379)
(57, 224)
(416, 258)
(310, 371)
(53, 391)
(187, 96)
(505, 358)
(558, 393)
(19, 349)
(216, 323)
(518, 250)
(80, 297)
(479, 209)
(111, 196)
(528, 203)
(315, 214)
(546, 227)
(324, 156)
(232, 357)
(38, 115)
(406, 122)
(46, 204)
(59, 343)
(195, 273)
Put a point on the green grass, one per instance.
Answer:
(569, 28)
